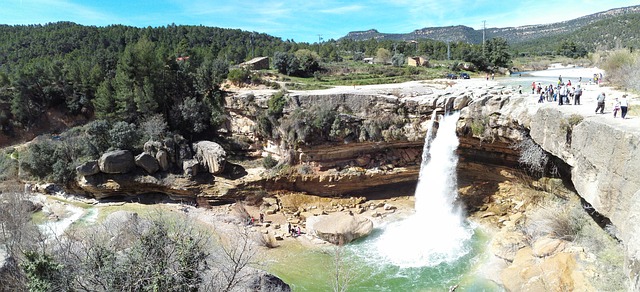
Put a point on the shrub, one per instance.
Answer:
(98, 136)
(555, 220)
(286, 63)
(8, 165)
(398, 60)
(276, 104)
(532, 156)
(124, 136)
(154, 127)
(269, 162)
(239, 76)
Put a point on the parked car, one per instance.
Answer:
(464, 76)
(451, 76)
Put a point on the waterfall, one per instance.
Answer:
(436, 233)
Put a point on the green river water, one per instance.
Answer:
(313, 269)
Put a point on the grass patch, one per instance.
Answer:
(39, 218)
(74, 203)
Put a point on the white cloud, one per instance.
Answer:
(343, 9)
(43, 11)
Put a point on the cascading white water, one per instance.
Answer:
(435, 233)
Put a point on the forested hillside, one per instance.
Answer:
(612, 33)
(120, 72)
(603, 30)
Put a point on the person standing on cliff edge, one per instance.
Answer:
(624, 106)
(600, 100)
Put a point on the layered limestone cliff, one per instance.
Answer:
(602, 154)
(376, 139)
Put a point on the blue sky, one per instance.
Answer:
(303, 21)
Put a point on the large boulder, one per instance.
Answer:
(210, 155)
(339, 228)
(152, 147)
(190, 168)
(147, 162)
(163, 159)
(118, 161)
(257, 280)
(88, 168)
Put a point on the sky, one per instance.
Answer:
(304, 20)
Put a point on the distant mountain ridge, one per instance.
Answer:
(511, 34)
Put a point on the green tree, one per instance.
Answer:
(498, 52)
(124, 135)
(309, 61)
(383, 56)
(286, 63)
(398, 60)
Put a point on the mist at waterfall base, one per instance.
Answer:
(435, 234)
(431, 250)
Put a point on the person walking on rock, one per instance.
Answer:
(600, 100)
(577, 95)
(616, 107)
(624, 106)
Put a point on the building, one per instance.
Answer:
(368, 60)
(257, 63)
(417, 61)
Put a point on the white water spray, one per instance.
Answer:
(435, 233)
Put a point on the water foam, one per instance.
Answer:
(436, 232)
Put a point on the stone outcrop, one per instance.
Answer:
(190, 168)
(88, 168)
(339, 228)
(602, 157)
(147, 162)
(116, 162)
(210, 155)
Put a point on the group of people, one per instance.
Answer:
(620, 105)
(562, 93)
(565, 93)
(294, 230)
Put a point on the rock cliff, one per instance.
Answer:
(374, 140)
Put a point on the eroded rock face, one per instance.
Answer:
(118, 161)
(210, 155)
(339, 228)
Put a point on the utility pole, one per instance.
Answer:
(484, 27)
(319, 41)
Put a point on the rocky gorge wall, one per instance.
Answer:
(602, 156)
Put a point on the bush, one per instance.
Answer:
(532, 156)
(276, 104)
(286, 63)
(8, 165)
(620, 66)
(239, 76)
(555, 220)
(124, 136)
(269, 162)
(154, 127)
(98, 136)
(398, 60)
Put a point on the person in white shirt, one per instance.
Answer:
(624, 106)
